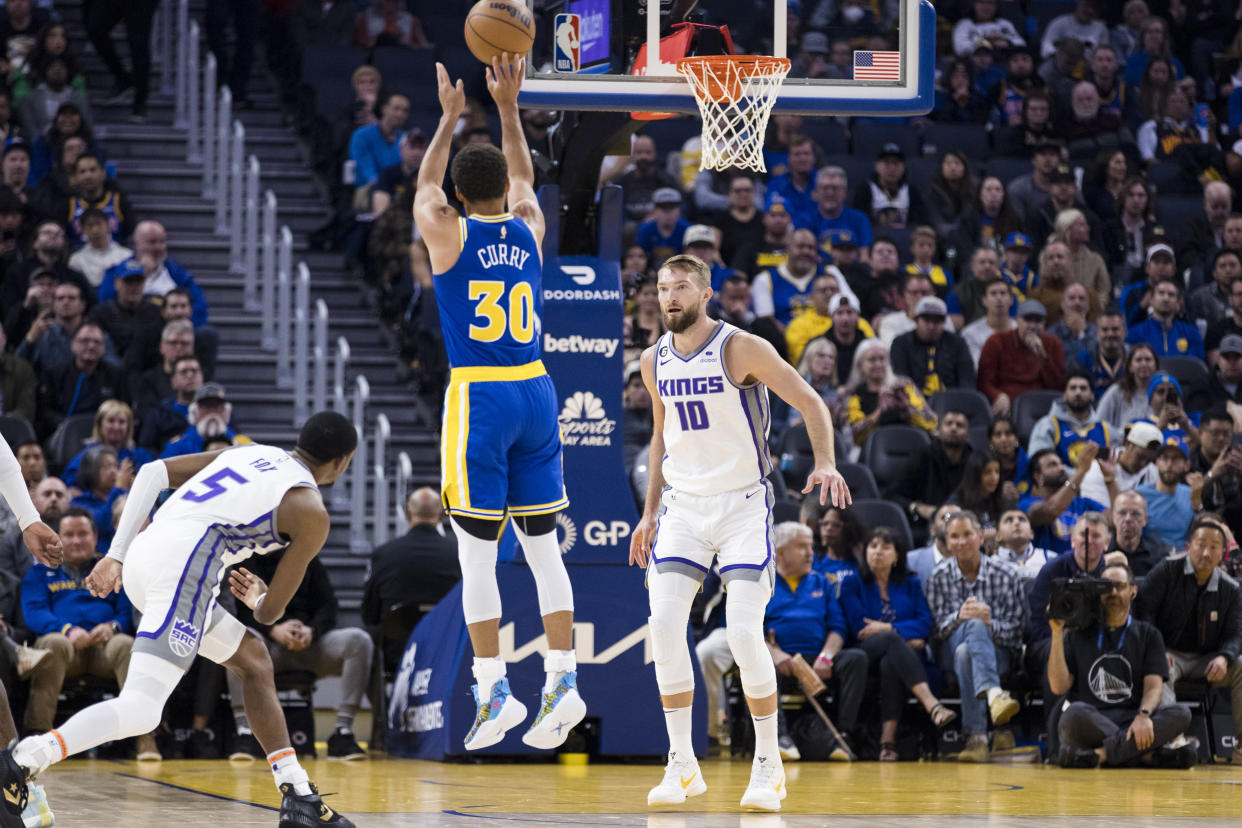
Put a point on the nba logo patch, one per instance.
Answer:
(568, 54)
(182, 638)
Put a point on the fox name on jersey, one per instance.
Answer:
(494, 255)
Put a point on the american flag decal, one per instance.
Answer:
(877, 66)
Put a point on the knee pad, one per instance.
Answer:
(543, 556)
(481, 528)
(148, 684)
(480, 595)
(671, 595)
(535, 524)
(745, 605)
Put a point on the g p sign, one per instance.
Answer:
(597, 533)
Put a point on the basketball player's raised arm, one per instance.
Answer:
(751, 359)
(504, 81)
(436, 219)
(42, 542)
(644, 533)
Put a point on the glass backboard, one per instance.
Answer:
(850, 57)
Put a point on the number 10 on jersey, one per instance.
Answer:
(693, 414)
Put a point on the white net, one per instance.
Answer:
(735, 95)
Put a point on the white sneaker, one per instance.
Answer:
(28, 658)
(38, 813)
(560, 712)
(682, 779)
(495, 716)
(789, 751)
(767, 785)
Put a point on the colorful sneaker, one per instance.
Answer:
(495, 718)
(682, 779)
(38, 813)
(562, 709)
(767, 785)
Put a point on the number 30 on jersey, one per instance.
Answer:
(520, 319)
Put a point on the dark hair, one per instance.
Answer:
(382, 99)
(1127, 383)
(1215, 415)
(88, 154)
(1174, 280)
(327, 436)
(915, 277)
(1006, 220)
(1079, 373)
(1032, 465)
(77, 512)
(852, 530)
(480, 172)
(179, 291)
(91, 214)
(1150, 215)
(1001, 418)
(1125, 567)
(957, 411)
(25, 443)
(1208, 520)
(960, 193)
(901, 570)
(186, 358)
(1225, 251)
(969, 493)
(16, 146)
(92, 462)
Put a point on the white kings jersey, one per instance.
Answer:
(234, 500)
(715, 431)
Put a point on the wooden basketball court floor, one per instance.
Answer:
(396, 793)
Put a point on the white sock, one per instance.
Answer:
(286, 769)
(487, 671)
(765, 736)
(680, 724)
(36, 753)
(991, 693)
(556, 664)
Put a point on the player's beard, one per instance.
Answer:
(683, 320)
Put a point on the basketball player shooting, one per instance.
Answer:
(228, 505)
(708, 490)
(500, 443)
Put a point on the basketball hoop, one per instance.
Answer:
(735, 94)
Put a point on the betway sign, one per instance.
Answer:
(580, 345)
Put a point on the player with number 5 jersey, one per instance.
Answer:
(500, 446)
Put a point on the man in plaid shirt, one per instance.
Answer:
(978, 615)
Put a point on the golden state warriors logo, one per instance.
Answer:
(1182, 345)
(1075, 451)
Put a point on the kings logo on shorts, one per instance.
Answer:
(182, 638)
(584, 422)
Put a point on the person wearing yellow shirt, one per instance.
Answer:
(816, 319)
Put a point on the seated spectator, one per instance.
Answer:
(1136, 297)
(92, 190)
(1034, 130)
(386, 23)
(154, 384)
(815, 318)
(19, 29)
(642, 177)
(965, 301)
(1063, 195)
(818, 366)
(1230, 324)
(1054, 504)
(1211, 301)
(15, 172)
(646, 324)
(47, 343)
(34, 464)
(1020, 360)
(1060, 69)
(162, 273)
(1136, 458)
(1027, 193)
(1103, 358)
(931, 472)
(832, 216)
(1225, 385)
(933, 358)
(127, 320)
(82, 385)
(984, 24)
(39, 107)
(1083, 25)
(175, 305)
(977, 622)
(169, 418)
(1127, 35)
(1119, 725)
(53, 42)
(1076, 332)
(960, 102)
(51, 499)
(663, 235)
(83, 634)
(1020, 81)
(1115, 98)
(741, 224)
(923, 252)
(1220, 462)
(1163, 330)
(879, 282)
(951, 193)
(981, 491)
(114, 427)
(101, 481)
(1129, 232)
(780, 291)
(1088, 127)
(769, 251)
(1167, 406)
(17, 384)
(377, 146)
(1003, 442)
(1142, 551)
(1015, 545)
(804, 618)
(1172, 503)
(700, 241)
(10, 129)
(1205, 231)
(209, 418)
(307, 638)
(887, 199)
(795, 189)
(1176, 136)
(889, 620)
(991, 219)
(402, 178)
(1198, 611)
(1086, 267)
(1014, 268)
(914, 287)
(101, 251)
(636, 415)
(878, 397)
(923, 560)
(1070, 422)
(70, 123)
(1127, 399)
(841, 537)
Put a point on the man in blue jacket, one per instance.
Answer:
(82, 633)
(1163, 330)
(162, 273)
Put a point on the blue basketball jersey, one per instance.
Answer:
(491, 299)
(1068, 440)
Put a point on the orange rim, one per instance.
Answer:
(719, 76)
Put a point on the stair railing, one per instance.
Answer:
(209, 127)
(183, 66)
(224, 125)
(319, 358)
(339, 370)
(383, 433)
(193, 149)
(401, 482)
(237, 173)
(358, 485)
(301, 346)
(284, 310)
(250, 238)
(267, 286)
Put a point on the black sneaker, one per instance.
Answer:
(245, 746)
(1184, 755)
(343, 745)
(16, 795)
(1071, 757)
(202, 745)
(306, 811)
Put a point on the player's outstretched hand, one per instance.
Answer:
(830, 482)
(43, 543)
(105, 578)
(504, 78)
(452, 96)
(641, 540)
(247, 587)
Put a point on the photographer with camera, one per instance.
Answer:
(1112, 672)
(977, 621)
(1196, 607)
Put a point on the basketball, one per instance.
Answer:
(495, 26)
